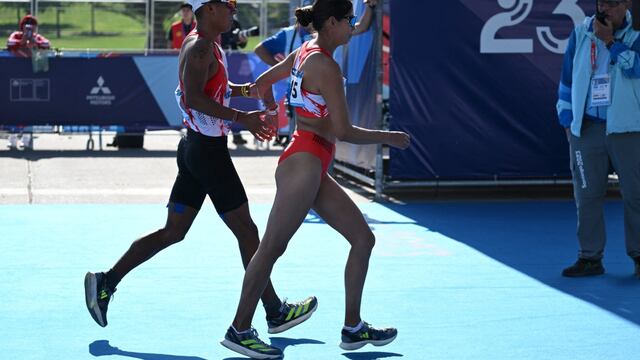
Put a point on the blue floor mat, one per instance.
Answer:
(468, 280)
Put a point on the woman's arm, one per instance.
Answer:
(328, 77)
(276, 73)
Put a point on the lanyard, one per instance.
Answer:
(293, 39)
(593, 56)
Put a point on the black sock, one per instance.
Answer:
(111, 283)
(272, 310)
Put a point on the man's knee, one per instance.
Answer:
(238, 217)
(241, 224)
(172, 234)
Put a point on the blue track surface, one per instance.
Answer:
(459, 280)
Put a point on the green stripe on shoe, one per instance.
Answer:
(248, 342)
(259, 347)
(306, 307)
(299, 311)
(290, 315)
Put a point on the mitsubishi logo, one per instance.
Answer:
(100, 95)
(96, 89)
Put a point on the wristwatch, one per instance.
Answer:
(610, 44)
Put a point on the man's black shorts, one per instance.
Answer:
(205, 168)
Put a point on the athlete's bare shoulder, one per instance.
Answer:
(322, 64)
(199, 49)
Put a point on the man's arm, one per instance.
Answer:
(42, 42)
(563, 106)
(628, 58)
(240, 90)
(265, 55)
(13, 43)
(364, 23)
(199, 59)
(269, 47)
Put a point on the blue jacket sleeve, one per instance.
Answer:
(277, 43)
(565, 114)
(628, 58)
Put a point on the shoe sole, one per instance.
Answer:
(594, 273)
(359, 344)
(91, 298)
(246, 352)
(292, 323)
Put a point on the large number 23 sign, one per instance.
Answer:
(517, 12)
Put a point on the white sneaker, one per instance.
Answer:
(27, 141)
(13, 141)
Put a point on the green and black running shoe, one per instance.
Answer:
(292, 315)
(97, 295)
(367, 335)
(250, 345)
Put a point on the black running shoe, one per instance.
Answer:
(584, 267)
(636, 260)
(367, 335)
(250, 345)
(97, 295)
(292, 315)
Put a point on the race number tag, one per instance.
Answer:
(601, 90)
(295, 92)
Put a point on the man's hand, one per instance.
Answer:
(242, 40)
(252, 121)
(602, 31)
(398, 139)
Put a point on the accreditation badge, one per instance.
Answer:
(601, 90)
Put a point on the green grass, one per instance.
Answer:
(117, 26)
(131, 42)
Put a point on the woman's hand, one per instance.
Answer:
(398, 139)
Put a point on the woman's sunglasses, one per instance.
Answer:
(352, 20)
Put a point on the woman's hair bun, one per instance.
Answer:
(304, 15)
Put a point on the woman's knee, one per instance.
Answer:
(272, 250)
(365, 241)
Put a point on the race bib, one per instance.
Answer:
(601, 90)
(295, 92)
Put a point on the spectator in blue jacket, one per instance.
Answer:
(599, 107)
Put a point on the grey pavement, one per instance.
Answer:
(61, 171)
